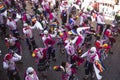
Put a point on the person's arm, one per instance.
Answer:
(5, 65)
(18, 17)
(62, 68)
(16, 57)
(24, 31)
(84, 55)
(38, 26)
(67, 49)
(74, 40)
(33, 27)
(53, 35)
(81, 20)
(8, 22)
(81, 29)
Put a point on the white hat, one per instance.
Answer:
(25, 24)
(45, 32)
(93, 49)
(6, 38)
(29, 70)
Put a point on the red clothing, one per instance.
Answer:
(49, 42)
(79, 40)
(38, 55)
(108, 33)
(98, 44)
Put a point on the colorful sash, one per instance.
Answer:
(2, 8)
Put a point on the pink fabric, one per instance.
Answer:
(79, 40)
(70, 49)
(48, 10)
(51, 16)
(34, 78)
(108, 33)
(24, 18)
(49, 41)
(78, 2)
(68, 27)
(42, 50)
(84, 25)
(78, 59)
(91, 57)
(74, 71)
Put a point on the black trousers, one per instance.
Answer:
(88, 68)
(13, 75)
(3, 29)
(31, 43)
(51, 52)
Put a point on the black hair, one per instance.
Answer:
(108, 26)
(63, 64)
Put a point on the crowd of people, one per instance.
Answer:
(73, 32)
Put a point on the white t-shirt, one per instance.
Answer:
(11, 63)
(38, 25)
(28, 32)
(12, 25)
(12, 41)
(100, 19)
(70, 49)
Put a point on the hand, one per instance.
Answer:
(14, 73)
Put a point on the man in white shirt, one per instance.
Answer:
(9, 65)
(100, 23)
(70, 48)
(91, 58)
(12, 24)
(83, 17)
(37, 24)
(27, 30)
(11, 40)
